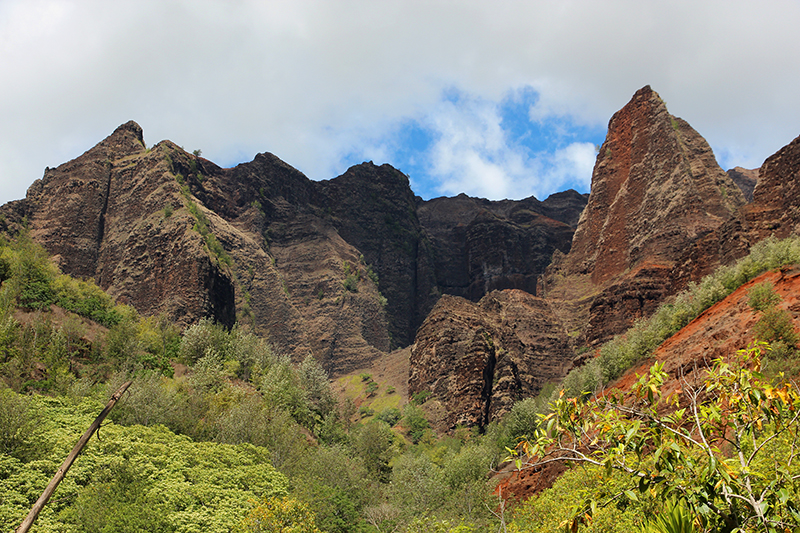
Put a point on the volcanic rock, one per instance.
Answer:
(342, 269)
(479, 358)
(480, 246)
(745, 179)
(775, 209)
(656, 190)
(108, 215)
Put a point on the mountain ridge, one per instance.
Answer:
(494, 298)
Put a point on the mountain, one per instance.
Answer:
(344, 269)
(494, 298)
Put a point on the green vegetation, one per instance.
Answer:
(201, 227)
(222, 432)
(723, 449)
(240, 439)
(645, 336)
(352, 276)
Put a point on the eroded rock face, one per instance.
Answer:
(480, 246)
(479, 358)
(775, 209)
(342, 269)
(656, 187)
(745, 179)
(656, 190)
(108, 215)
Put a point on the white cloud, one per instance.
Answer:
(313, 80)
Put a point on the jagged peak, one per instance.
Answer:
(131, 127)
(127, 139)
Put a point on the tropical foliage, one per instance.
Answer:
(725, 447)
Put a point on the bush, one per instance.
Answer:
(776, 325)
(85, 298)
(390, 415)
(16, 422)
(277, 515)
(415, 422)
(32, 273)
(351, 283)
(762, 296)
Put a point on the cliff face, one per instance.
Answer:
(480, 246)
(776, 199)
(479, 358)
(108, 215)
(745, 179)
(344, 269)
(656, 190)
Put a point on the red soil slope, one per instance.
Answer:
(719, 332)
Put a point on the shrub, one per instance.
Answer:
(85, 298)
(415, 422)
(776, 325)
(15, 422)
(390, 415)
(351, 283)
(420, 397)
(762, 296)
(277, 515)
(523, 419)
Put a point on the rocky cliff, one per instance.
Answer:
(349, 268)
(480, 245)
(113, 214)
(494, 352)
(656, 190)
(344, 269)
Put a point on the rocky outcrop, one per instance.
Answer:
(114, 214)
(775, 209)
(479, 358)
(373, 208)
(656, 190)
(480, 246)
(745, 179)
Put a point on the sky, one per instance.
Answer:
(495, 99)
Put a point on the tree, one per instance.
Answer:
(280, 515)
(725, 448)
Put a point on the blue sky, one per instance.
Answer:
(500, 99)
(490, 149)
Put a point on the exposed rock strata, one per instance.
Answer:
(170, 232)
(480, 246)
(745, 179)
(103, 216)
(775, 209)
(479, 358)
(656, 190)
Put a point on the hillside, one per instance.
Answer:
(351, 268)
(380, 351)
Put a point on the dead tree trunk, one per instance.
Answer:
(62, 471)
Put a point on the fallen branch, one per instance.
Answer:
(62, 471)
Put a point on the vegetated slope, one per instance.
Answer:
(719, 332)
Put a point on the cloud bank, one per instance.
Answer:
(496, 99)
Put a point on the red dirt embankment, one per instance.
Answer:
(719, 332)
